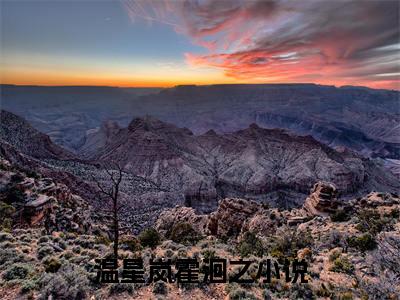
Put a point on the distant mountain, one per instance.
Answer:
(265, 164)
(67, 113)
(362, 119)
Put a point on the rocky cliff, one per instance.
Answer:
(269, 165)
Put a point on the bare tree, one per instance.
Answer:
(111, 192)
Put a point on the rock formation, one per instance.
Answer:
(322, 200)
(228, 219)
(180, 214)
(267, 165)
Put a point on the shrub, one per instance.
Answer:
(335, 239)
(149, 238)
(14, 195)
(288, 242)
(345, 296)
(131, 244)
(184, 233)
(208, 254)
(25, 238)
(6, 211)
(43, 239)
(340, 215)
(28, 285)
(6, 245)
(67, 254)
(301, 291)
(241, 294)
(323, 292)
(342, 265)
(119, 288)
(85, 241)
(371, 221)
(76, 249)
(17, 271)
(51, 264)
(31, 173)
(171, 245)
(160, 288)
(102, 240)
(363, 243)
(5, 237)
(394, 213)
(334, 255)
(71, 282)
(168, 253)
(16, 178)
(6, 224)
(250, 244)
(10, 256)
(45, 251)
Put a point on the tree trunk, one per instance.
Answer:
(116, 229)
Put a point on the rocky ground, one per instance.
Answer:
(352, 248)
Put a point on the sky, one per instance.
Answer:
(167, 43)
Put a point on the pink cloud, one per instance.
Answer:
(336, 42)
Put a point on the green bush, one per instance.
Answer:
(345, 296)
(334, 255)
(342, 265)
(208, 254)
(102, 240)
(250, 244)
(340, 215)
(371, 221)
(287, 243)
(363, 243)
(149, 238)
(184, 233)
(17, 271)
(7, 212)
(51, 264)
(6, 224)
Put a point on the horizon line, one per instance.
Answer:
(197, 85)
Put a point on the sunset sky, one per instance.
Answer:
(166, 43)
